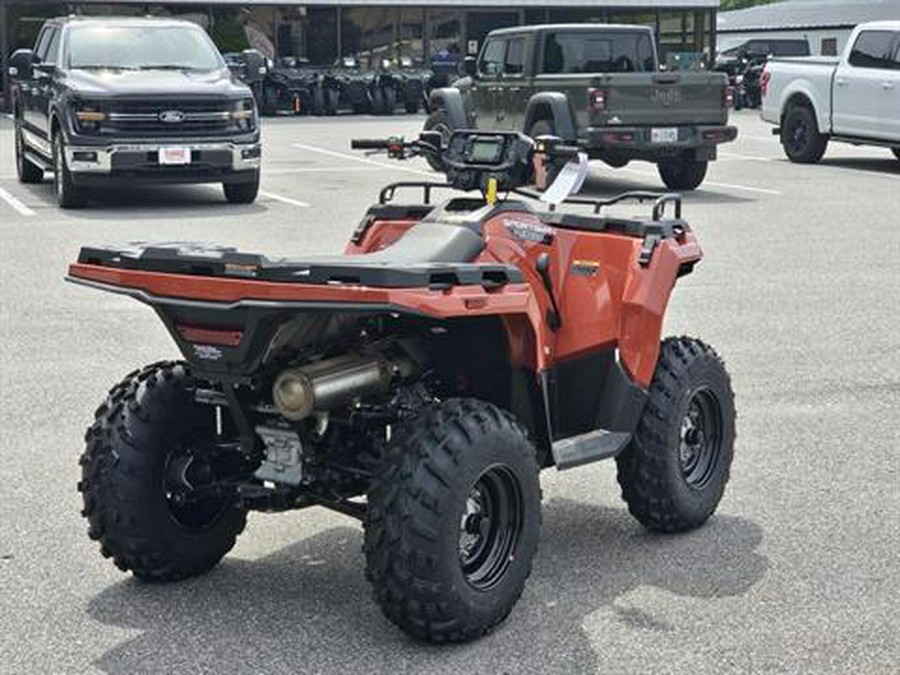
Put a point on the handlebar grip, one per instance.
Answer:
(369, 144)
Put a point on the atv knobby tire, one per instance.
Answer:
(147, 419)
(437, 568)
(674, 472)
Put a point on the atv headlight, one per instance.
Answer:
(244, 115)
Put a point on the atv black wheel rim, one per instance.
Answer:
(189, 486)
(490, 527)
(701, 438)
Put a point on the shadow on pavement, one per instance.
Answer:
(307, 607)
(604, 182)
(887, 165)
(151, 201)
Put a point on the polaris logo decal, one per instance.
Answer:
(171, 116)
(207, 352)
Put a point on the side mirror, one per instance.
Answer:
(21, 64)
(469, 66)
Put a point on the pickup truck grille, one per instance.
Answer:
(169, 119)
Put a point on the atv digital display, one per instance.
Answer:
(485, 149)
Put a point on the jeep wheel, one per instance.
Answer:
(682, 172)
(453, 522)
(800, 137)
(154, 478)
(68, 196)
(674, 472)
(546, 128)
(26, 170)
(438, 121)
(242, 193)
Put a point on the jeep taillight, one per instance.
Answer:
(764, 79)
(598, 99)
(728, 97)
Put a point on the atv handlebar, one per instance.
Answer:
(370, 144)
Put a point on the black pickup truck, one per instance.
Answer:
(101, 101)
(597, 85)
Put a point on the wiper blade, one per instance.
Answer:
(169, 66)
(102, 66)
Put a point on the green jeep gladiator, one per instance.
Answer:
(598, 85)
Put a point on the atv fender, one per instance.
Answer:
(451, 100)
(551, 105)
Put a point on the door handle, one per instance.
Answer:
(840, 82)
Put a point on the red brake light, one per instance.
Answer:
(598, 99)
(764, 79)
(211, 336)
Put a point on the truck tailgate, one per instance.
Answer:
(645, 99)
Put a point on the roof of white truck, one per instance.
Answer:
(808, 14)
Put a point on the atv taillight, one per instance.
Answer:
(211, 336)
(598, 99)
(764, 79)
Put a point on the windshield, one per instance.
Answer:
(142, 48)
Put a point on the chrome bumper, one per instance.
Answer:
(99, 159)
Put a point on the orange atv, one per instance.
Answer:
(419, 383)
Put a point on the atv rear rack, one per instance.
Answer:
(388, 193)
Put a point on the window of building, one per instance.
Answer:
(444, 34)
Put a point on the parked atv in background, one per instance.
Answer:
(364, 90)
(251, 68)
(419, 383)
(412, 84)
(294, 85)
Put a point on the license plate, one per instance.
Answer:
(174, 156)
(664, 135)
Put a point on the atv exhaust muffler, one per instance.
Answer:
(333, 383)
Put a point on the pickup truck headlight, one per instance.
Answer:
(87, 116)
(244, 115)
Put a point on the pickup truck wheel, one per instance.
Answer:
(682, 172)
(28, 172)
(674, 472)
(438, 121)
(453, 521)
(800, 137)
(242, 193)
(68, 196)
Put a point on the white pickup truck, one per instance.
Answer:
(854, 98)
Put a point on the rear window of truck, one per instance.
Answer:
(613, 52)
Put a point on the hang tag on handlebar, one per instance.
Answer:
(569, 181)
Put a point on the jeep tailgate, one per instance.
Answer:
(645, 99)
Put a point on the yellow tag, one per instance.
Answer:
(491, 194)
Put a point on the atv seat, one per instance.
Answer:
(425, 243)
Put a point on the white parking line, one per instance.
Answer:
(711, 183)
(363, 160)
(15, 203)
(751, 158)
(285, 200)
(327, 169)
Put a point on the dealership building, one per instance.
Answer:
(326, 30)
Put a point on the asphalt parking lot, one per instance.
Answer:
(798, 573)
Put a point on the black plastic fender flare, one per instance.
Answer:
(552, 105)
(450, 99)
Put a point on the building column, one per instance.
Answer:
(4, 57)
